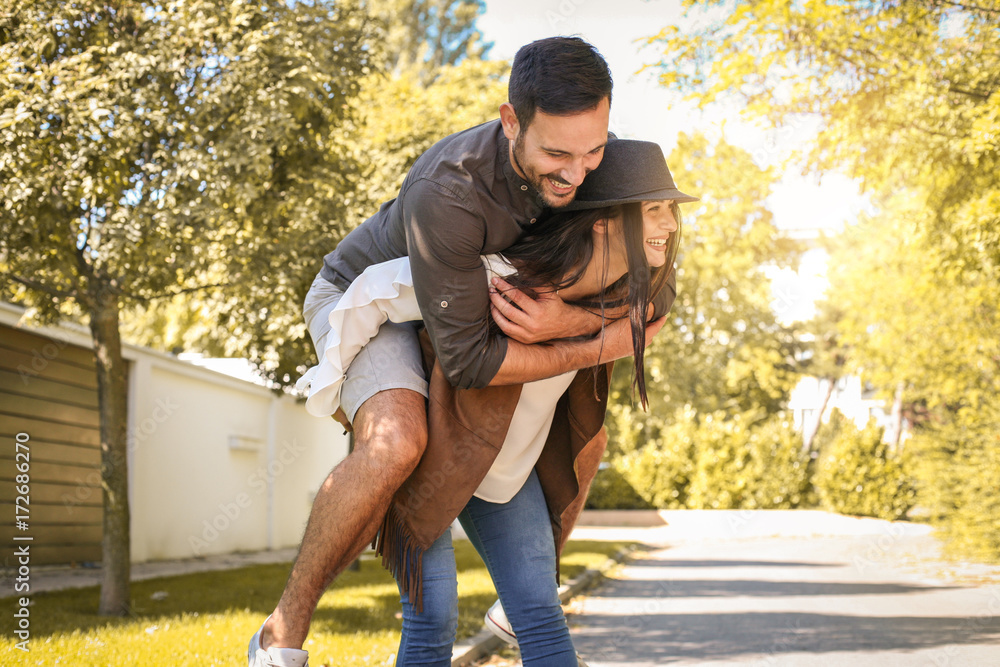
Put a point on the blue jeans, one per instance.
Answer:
(515, 541)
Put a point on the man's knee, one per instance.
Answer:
(396, 451)
(391, 431)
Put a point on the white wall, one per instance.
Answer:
(220, 465)
(216, 464)
(848, 397)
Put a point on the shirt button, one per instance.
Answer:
(524, 187)
(533, 220)
(444, 304)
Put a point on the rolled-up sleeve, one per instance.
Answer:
(445, 238)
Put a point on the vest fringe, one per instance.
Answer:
(401, 556)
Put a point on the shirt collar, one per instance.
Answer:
(520, 190)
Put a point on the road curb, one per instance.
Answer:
(484, 643)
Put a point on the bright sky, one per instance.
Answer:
(642, 109)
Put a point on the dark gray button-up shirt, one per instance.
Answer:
(460, 200)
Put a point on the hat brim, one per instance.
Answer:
(656, 195)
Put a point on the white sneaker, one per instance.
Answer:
(496, 621)
(274, 657)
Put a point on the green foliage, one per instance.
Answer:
(661, 470)
(747, 463)
(957, 466)
(899, 86)
(722, 348)
(714, 462)
(425, 78)
(907, 95)
(859, 475)
(426, 37)
(611, 491)
(398, 118)
(152, 149)
(780, 468)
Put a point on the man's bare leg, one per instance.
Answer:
(390, 433)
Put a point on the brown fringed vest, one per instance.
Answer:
(466, 428)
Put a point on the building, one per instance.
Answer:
(216, 464)
(849, 395)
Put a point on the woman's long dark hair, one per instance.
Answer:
(555, 253)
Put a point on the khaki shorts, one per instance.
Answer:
(390, 360)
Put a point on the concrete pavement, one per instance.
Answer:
(788, 589)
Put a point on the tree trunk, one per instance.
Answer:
(112, 401)
(897, 417)
(808, 444)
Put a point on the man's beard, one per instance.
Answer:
(536, 181)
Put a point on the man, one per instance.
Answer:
(471, 194)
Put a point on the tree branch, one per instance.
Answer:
(970, 8)
(169, 295)
(41, 287)
(969, 93)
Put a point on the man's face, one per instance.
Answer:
(555, 153)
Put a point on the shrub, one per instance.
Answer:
(779, 473)
(610, 491)
(957, 466)
(661, 471)
(859, 475)
(722, 456)
(744, 462)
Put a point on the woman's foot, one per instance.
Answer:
(496, 621)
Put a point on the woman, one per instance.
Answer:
(494, 458)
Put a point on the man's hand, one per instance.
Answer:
(538, 320)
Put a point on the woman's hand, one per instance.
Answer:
(538, 320)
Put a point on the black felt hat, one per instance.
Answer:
(630, 171)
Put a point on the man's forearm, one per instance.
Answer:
(527, 363)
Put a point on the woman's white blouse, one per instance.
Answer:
(385, 292)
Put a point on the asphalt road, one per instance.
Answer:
(747, 588)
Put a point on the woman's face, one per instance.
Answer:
(658, 224)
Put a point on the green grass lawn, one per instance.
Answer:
(207, 619)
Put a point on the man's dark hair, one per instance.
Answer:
(559, 76)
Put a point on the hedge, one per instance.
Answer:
(859, 475)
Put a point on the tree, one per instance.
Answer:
(155, 149)
(828, 359)
(722, 348)
(404, 104)
(923, 323)
(908, 94)
(908, 98)
(426, 37)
